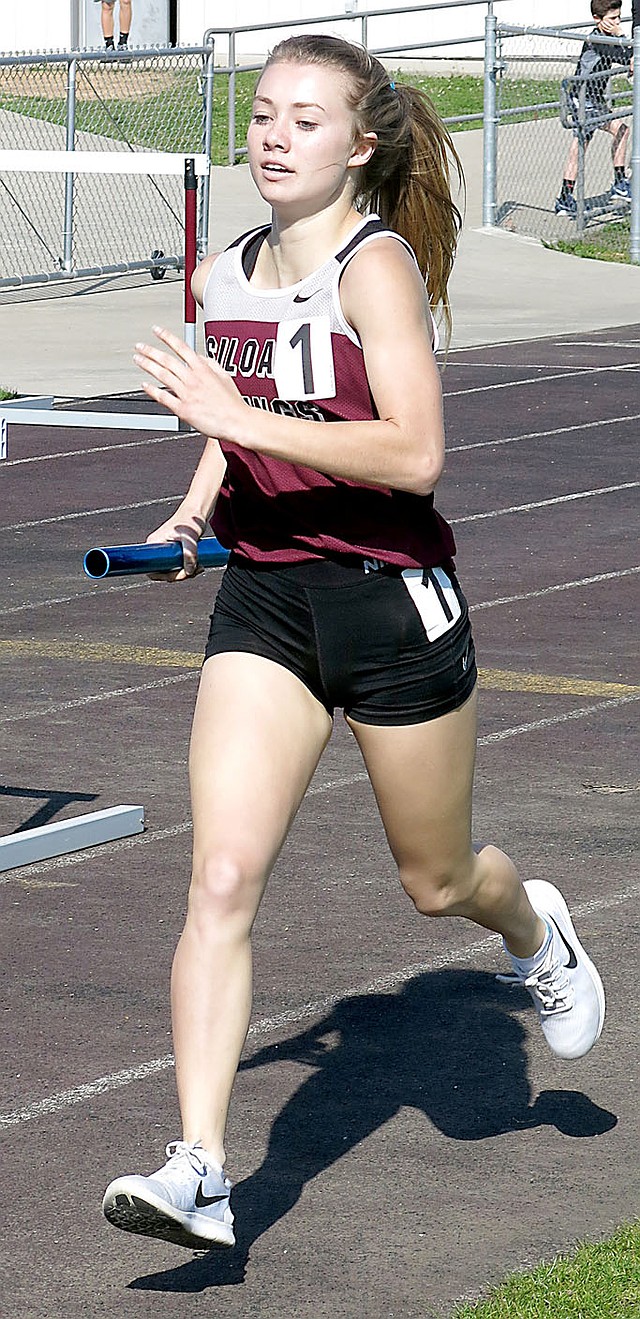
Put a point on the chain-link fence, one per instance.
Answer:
(562, 145)
(61, 224)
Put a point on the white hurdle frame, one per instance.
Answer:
(192, 166)
(50, 840)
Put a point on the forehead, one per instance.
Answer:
(304, 84)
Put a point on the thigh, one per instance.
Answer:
(257, 736)
(422, 777)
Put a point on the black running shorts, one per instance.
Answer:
(391, 646)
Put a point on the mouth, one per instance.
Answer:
(273, 169)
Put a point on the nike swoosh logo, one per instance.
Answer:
(203, 1201)
(304, 297)
(573, 961)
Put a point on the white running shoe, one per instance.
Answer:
(186, 1201)
(566, 989)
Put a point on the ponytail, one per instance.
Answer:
(407, 180)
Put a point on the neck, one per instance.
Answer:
(299, 245)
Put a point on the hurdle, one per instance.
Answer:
(192, 167)
(51, 840)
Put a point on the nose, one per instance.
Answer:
(276, 136)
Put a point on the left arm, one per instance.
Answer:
(403, 450)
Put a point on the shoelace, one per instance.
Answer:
(178, 1150)
(550, 984)
(552, 988)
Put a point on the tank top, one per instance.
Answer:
(291, 351)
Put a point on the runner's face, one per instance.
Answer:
(302, 145)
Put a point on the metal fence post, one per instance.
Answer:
(490, 122)
(582, 147)
(67, 259)
(205, 184)
(634, 244)
(231, 121)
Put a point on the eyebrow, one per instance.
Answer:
(297, 105)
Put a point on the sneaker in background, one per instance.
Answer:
(566, 205)
(620, 190)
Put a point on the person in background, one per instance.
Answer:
(108, 27)
(596, 62)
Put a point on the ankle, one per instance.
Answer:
(529, 947)
(212, 1149)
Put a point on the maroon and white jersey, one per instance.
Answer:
(292, 352)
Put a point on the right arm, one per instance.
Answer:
(192, 514)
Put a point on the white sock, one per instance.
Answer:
(528, 964)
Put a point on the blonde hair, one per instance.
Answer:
(407, 180)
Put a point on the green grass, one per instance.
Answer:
(592, 252)
(170, 120)
(612, 245)
(7, 393)
(599, 1281)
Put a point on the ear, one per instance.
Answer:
(363, 150)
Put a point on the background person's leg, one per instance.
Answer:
(106, 20)
(124, 21)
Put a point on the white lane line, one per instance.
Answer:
(545, 503)
(170, 499)
(559, 586)
(26, 873)
(554, 341)
(82, 453)
(81, 701)
(542, 379)
(93, 512)
(89, 593)
(541, 435)
(541, 366)
(266, 1026)
(121, 585)
(582, 713)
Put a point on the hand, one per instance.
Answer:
(186, 528)
(194, 388)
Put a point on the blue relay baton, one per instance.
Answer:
(123, 560)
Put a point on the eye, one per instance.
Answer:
(260, 117)
(307, 125)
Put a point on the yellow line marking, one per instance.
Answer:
(102, 652)
(503, 680)
(509, 680)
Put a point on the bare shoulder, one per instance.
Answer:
(386, 267)
(201, 275)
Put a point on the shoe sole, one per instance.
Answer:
(547, 900)
(131, 1213)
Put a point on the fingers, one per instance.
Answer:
(169, 372)
(189, 542)
(177, 345)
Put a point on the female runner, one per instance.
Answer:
(340, 588)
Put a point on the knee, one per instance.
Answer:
(222, 890)
(438, 891)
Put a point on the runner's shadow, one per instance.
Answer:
(446, 1044)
